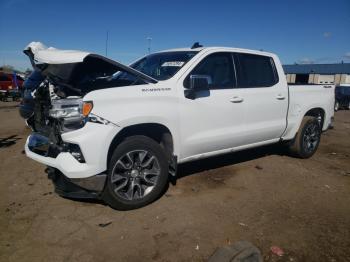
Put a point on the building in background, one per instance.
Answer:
(318, 73)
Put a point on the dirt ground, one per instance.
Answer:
(260, 195)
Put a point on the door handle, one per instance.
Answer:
(236, 99)
(280, 97)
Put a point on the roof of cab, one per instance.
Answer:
(219, 48)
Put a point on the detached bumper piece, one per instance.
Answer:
(73, 188)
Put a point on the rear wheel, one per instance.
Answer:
(137, 174)
(307, 139)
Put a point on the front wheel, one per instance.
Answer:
(137, 174)
(307, 139)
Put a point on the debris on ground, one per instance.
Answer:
(277, 251)
(105, 224)
(197, 247)
(160, 236)
(345, 173)
(238, 252)
(195, 189)
(242, 224)
(259, 167)
(217, 179)
(327, 186)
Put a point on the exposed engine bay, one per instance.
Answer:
(52, 99)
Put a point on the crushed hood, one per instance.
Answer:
(42, 54)
(65, 63)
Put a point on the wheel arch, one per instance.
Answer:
(317, 112)
(294, 121)
(158, 132)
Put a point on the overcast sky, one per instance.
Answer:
(298, 31)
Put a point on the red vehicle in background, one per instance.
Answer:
(10, 86)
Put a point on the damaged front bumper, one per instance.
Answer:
(93, 141)
(90, 187)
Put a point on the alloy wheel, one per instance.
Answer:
(135, 174)
(311, 137)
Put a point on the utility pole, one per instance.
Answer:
(149, 39)
(106, 43)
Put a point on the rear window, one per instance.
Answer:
(255, 71)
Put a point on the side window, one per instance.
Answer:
(255, 71)
(219, 67)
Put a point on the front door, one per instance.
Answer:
(213, 119)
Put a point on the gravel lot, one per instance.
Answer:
(260, 195)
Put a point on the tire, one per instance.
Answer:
(137, 174)
(306, 141)
(336, 106)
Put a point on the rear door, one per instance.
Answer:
(264, 95)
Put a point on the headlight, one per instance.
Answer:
(70, 108)
(72, 113)
(66, 108)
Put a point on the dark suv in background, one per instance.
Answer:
(342, 97)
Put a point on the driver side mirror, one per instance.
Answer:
(200, 82)
(197, 83)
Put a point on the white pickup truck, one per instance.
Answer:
(117, 132)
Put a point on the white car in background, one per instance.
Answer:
(117, 132)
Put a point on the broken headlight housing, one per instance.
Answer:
(66, 108)
(72, 112)
(70, 108)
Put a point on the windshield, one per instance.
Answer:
(162, 66)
